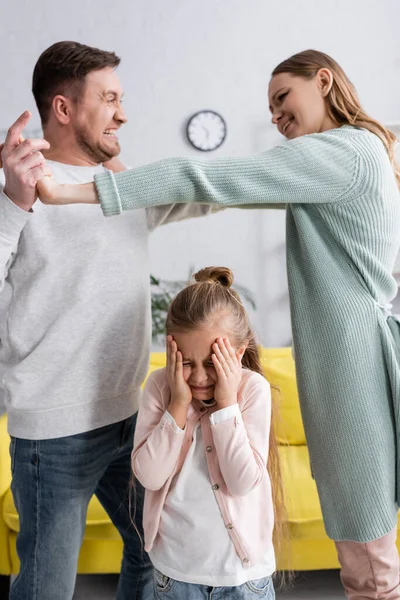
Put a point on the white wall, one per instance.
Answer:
(179, 56)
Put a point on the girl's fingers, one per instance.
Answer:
(230, 350)
(168, 346)
(175, 358)
(179, 368)
(174, 347)
(221, 358)
(179, 364)
(228, 353)
(217, 365)
(173, 354)
(171, 358)
(235, 359)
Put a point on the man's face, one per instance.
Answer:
(98, 114)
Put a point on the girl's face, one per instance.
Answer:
(198, 368)
(298, 105)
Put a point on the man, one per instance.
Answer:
(74, 327)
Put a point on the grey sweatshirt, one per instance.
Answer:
(75, 321)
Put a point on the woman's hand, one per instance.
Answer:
(48, 190)
(51, 192)
(228, 366)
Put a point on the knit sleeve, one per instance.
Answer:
(318, 168)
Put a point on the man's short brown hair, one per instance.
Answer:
(62, 68)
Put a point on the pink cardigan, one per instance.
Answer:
(236, 451)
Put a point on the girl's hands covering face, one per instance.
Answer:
(228, 366)
(180, 391)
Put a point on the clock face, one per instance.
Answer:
(206, 130)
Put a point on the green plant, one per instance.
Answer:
(162, 294)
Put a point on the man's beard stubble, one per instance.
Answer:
(93, 151)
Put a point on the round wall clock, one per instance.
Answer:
(206, 130)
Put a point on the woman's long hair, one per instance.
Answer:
(344, 106)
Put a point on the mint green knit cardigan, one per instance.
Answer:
(343, 234)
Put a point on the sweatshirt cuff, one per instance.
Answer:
(12, 217)
(108, 193)
(224, 414)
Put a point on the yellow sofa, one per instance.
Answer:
(102, 547)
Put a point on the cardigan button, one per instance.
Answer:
(230, 526)
(209, 449)
(246, 560)
(215, 486)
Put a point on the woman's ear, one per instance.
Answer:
(325, 81)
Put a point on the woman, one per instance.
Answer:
(338, 178)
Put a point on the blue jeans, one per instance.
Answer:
(52, 484)
(166, 588)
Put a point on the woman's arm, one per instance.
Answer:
(320, 168)
(50, 192)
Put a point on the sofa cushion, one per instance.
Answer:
(303, 509)
(279, 369)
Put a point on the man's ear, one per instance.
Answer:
(61, 107)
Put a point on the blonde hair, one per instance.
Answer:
(344, 106)
(202, 303)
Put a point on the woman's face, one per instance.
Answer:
(298, 105)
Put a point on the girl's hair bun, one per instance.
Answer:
(221, 275)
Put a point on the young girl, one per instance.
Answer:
(338, 179)
(201, 449)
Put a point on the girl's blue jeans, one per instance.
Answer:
(166, 588)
